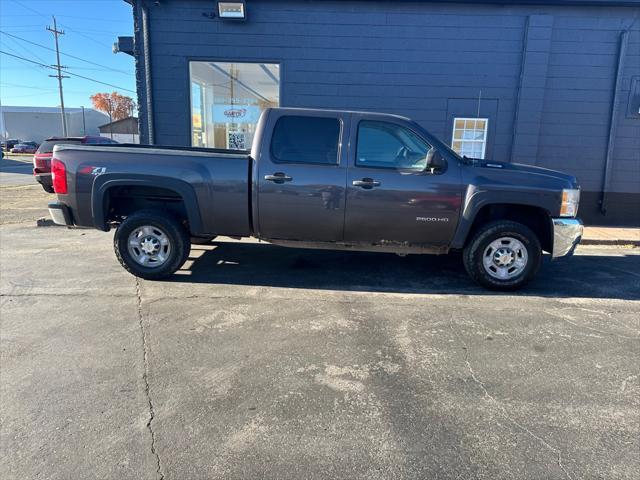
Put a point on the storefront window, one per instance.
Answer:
(227, 100)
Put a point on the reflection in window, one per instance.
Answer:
(387, 145)
(470, 137)
(227, 100)
(306, 140)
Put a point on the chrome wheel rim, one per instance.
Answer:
(505, 258)
(149, 246)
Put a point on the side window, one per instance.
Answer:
(298, 139)
(387, 145)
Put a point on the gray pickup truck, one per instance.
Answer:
(321, 179)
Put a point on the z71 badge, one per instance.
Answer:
(95, 171)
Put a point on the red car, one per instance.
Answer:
(42, 157)
(24, 148)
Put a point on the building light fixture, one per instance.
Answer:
(232, 10)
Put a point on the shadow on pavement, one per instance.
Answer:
(596, 276)
(15, 166)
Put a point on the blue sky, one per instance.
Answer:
(90, 26)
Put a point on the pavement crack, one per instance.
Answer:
(571, 320)
(145, 379)
(502, 409)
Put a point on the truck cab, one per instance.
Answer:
(359, 180)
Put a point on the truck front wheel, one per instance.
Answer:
(503, 255)
(151, 244)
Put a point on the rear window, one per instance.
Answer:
(298, 139)
(47, 145)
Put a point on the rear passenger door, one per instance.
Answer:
(301, 177)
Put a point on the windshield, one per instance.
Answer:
(47, 145)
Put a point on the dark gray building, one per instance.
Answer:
(549, 83)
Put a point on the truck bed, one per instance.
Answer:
(214, 183)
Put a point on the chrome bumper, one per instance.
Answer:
(60, 214)
(567, 233)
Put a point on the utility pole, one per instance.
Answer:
(59, 76)
(110, 117)
(84, 124)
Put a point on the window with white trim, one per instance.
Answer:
(470, 136)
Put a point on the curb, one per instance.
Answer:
(613, 242)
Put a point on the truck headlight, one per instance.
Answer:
(570, 201)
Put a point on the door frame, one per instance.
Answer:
(262, 150)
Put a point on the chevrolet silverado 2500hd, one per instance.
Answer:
(321, 179)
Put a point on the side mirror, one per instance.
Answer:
(435, 161)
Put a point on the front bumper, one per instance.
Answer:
(567, 233)
(60, 214)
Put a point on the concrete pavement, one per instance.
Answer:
(263, 362)
(16, 170)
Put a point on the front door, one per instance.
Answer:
(301, 177)
(392, 198)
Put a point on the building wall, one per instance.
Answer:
(545, 75)
(123, 137)
(36, 126)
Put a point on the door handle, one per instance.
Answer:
(365, 183)
(278, 177)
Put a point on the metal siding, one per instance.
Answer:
(413, 58)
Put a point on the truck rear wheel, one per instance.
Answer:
(151, 244)
(503, 255)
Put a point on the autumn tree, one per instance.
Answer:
(113, 104)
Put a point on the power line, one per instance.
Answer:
(99, 42)
(25, 49)
(68, 72)
(101, 20)
(28, 95)
(98, 81)
(33, 87)
(42, 89)
(20, 59)
(65, 26)
(30, 9)
(66, 54)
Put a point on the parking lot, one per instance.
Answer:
(258, 361)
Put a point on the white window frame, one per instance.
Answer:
(462, 140)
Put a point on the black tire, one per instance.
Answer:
(180, 245)
(202, 240)
(473, 255)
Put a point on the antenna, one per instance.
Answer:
(59, 76)
(479, 100)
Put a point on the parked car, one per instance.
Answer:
(24, 148)
(42, 157)
(321, 179)
(7, 145)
